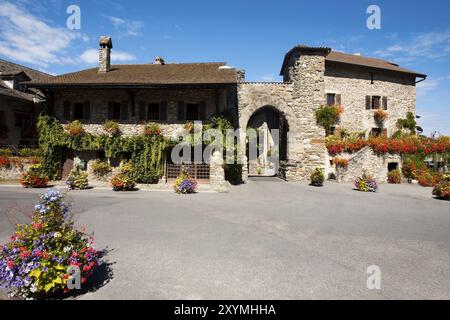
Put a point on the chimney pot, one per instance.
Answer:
(159, 60)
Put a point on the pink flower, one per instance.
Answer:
(10, 264)
(74, 254)
(37, 226)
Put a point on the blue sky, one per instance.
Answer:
(249, 34)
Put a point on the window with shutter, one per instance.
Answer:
(385, 103)
(142, 111)
(368, 102)
(331, 99)
(3, 126)
(338, 100)
(124, 111)
(376, 132)
(376, 102)
(114, 111)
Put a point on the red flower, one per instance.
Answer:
(37, 226)
(10, 264)
(83, 280)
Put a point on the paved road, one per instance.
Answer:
(264, 240)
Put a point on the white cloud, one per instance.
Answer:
(25, 38)
(126, 28)
(430, 45)
(90, 56)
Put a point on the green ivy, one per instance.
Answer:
(147, 152)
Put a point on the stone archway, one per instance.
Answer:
(267, 145)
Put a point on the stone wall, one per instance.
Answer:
(14, 172)
(366, 161)
(355, 83)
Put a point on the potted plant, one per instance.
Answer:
(317, 177)
(395, 177)
(152, 129)
(442, 189)
(122, 182)
(34, 178)
(366, 183)
(77, 180)
(101, 169)
(185, 184)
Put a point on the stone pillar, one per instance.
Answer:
(217, 174)
(244, 168)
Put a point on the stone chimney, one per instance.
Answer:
(240, 75)
(105, 54)
(159, 60)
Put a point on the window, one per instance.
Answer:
(192, 112)
(331, 99)
(78, 111)
(392, 166)
(3, 127)
(153, 112)
(376, 102)
(376, 132)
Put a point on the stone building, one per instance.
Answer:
(19, 105)
(172, 94)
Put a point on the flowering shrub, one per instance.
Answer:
(380, 115)
(442, 190)
(100, 169)
(185, 184)
(5, 162)
(111, 127)
(75, 128)
(327, 116)
(5, 152)
(122, 182)
(77, 180)
(366, 183)
(34, 178)
(395, 177)
(340, 162)
(427, 178)
(152, 129)
(35, 263)
(317, 177)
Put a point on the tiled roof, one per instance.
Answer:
(10, 68)
(351, 59)
(5, 91)
(146, 74)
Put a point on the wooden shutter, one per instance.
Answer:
(181, 111)
(110, 110)
(163, 111)
(124, 110)
(202, 111)
(384, 132)
(66, 111)
(142, 111)
(87, 110)
(368, 103)
(385, 103)
(338, 100)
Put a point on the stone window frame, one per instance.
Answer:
(383, 103)
(337, 97)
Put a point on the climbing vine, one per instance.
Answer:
(147, 151)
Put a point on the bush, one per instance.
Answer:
(427, 178)
(34, 178)
(340, 162)
(35, 264)
(101, 169)
(75, 128)
(28, 153)
(111, 127)
(380, 115)
(152, 129)
(366, 183)
(233, 173)
(442, 190)
(395, 177)
(328, 116)
(317, 177)
(121, 182)
(5, 152)
(78, 180)
(185, 184)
